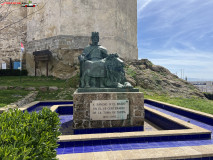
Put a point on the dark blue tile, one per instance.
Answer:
(123, 129)
(123, 140)
(205, 158)
(68, 151)
(116, 147)
(61, 144)
(164, 138)
(126, 146)
(79, 143)
(205, 136)
(181, 137)
(90, 149)
(69, 144)
(100, 149)
(105, 142)
(107, 147)
(96, 142)
(141, 139)
(88, 143)
(148, 139)
(60, 150)
(136, 146)
(90, 131)
(97, 130)
(78, 150)
(172, 138)
(156, 139)
(132, 140)
(115, 141)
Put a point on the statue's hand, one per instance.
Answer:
(81, 58)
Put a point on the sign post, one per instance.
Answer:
(21, 53)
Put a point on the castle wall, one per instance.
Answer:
(64, 27)
(11, 36)
(70, 23)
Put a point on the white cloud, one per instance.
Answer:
(177, 35)
(142, 5)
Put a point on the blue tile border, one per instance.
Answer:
(46, 104)
(64, 110)
(162, 122)
(141, 140)
(188, 114)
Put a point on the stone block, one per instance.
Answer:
(83, 102)
(106, 124)
(86, 124)
(96, 124)
(138, 113)
(117, 123)
(19, 88)
(43, 88)
(138, 121)
(3, 87)
(53, 88)
(30, 89)
(11, 87)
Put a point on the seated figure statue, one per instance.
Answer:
(98, 69)
(92, 63)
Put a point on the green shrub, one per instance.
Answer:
(13, 72)
(28, 135)
(208, 95)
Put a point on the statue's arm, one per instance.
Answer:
(104, 52)
(82, 57)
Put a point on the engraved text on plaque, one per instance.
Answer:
(109, 109)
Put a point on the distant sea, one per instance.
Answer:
(198, 79)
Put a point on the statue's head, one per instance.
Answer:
(95, 38)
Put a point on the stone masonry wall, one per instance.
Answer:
(116, 20)
(11, 36)
(65, 51)
(64, 27)
(81, 110)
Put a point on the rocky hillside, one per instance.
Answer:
(154, 79)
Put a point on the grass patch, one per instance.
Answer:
(73, 82)
(31, 81)
(66, 94)
(130, 72)
(202, 105)
(11, 96)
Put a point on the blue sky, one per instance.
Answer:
(177, 34)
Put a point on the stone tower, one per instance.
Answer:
(11, 33)
(64, 27)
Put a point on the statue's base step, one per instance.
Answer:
(80, 90)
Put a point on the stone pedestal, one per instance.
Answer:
(130, 115)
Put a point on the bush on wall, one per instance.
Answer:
(13, 72)
(29, 135)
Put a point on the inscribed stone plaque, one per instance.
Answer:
(109, 109)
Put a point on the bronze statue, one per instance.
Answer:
(98, 69)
